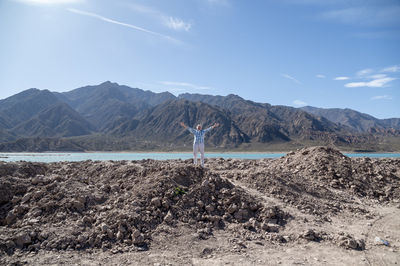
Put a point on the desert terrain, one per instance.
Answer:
(313, 206)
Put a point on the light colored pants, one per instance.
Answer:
(198, 147)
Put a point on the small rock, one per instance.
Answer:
(110, 234)
(82, 239)
(241, 215)
(273, 221)
(120, 235)
(36, 180)
(169, 217)
(135, 233)
(10, 218)
(200, 204)
(210, 208)
(270, 227)
(33, 221)
(206, 251)
(310, 235)
(78, 205)
(137, 237)
(156, 201)
(22, 239)
(10, 244)
(165, 204)
(87, 220)
(232, 208)
(104, 227)
(351, 243)
(26, 197)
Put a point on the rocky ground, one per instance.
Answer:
(313, 206)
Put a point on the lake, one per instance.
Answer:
(72, 156)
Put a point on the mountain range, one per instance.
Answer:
(110, 116)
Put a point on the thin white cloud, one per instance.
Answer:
(49, 2)
(177, 24)
(315, 2)
(320, 76)
(366, 15)
(378, 34)
(219, 2)
(376, 83)
(364, 72)
(84, 13)
(341, 78)
(382, 97)
(378, 76)
(291, 78)
(299, 103)
(185, 84)
(393, 69)
(144, 9)
(356, 12)
(171, 22)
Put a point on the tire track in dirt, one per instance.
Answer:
(388, 224)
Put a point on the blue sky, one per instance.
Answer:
(323, 53)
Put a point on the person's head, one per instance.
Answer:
(198, 127)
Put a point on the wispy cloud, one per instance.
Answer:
(341, 78)
(365, 15)
(376, 83)
(299, 103)
(381, 18)
(185, 84)
(177, 24)
(89, 14)
(290, 77)
(171, 22)
(364, 72)
(393, 69)
(378, 34)
(320, 76)
(219, 2)
(382, 97)
(49, 2)
(371, 78)
(378, 76)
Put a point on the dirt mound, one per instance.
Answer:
(318, 180)
(364, 176)
(89, 204)
(379, 178)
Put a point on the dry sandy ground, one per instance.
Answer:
(311, 207)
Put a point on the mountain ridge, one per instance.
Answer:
(358, 121)
(117, 113)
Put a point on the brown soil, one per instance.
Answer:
(313, 206)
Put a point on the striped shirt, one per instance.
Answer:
(199, 134)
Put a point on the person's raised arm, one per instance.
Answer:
(213, 126)
(186, 127)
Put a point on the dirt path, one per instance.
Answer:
(386, 227)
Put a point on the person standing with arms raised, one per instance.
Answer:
(198, 142)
